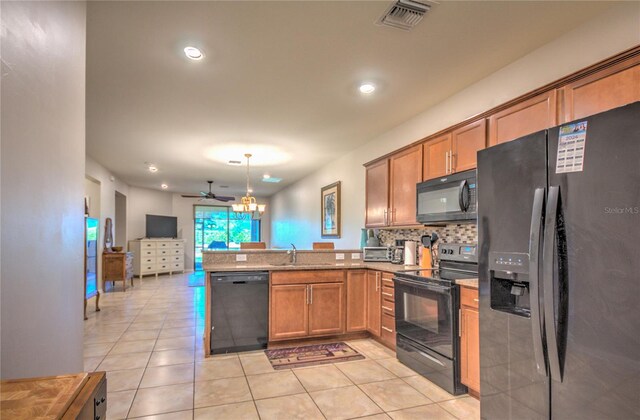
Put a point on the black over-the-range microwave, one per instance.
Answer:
(448, 199)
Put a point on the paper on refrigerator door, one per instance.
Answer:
(571, 147)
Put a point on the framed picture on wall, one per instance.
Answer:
(330, 210)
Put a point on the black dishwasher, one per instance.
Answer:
(239, 311)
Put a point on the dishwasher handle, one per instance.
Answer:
(255, 277)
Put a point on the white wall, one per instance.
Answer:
(42, 184)
(296, 209)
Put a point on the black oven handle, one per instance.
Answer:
(423, 285)
(463, 198)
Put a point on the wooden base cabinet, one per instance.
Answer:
(469, 339)
(306, 304)
(356, 300)
(374, 313)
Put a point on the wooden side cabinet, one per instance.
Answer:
(326, 309)
(469, 339)
(288, 313)
(117, 266)
(374, 286)
(406, 172)
(356, 300)
(377, 194)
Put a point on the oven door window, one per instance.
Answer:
(425, 317)
(442, 201)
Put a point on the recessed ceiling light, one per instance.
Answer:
(272, 179)
(367, 88)
(164, 186)
(265, 176)
(153, 168)
(250, 190)
(193, 53)
(235, 162)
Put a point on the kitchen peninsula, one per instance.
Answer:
(325, 294)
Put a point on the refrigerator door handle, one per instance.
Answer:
(549, 257)
(537, 318)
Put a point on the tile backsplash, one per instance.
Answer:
(462, 233)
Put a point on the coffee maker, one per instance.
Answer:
(397, 252)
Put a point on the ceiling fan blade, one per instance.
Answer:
(191, 196)
(223, 198)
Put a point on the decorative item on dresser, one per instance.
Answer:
(156, 256)
(117, 266)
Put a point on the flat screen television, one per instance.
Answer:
(162, 226)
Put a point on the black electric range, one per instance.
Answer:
(426, 307)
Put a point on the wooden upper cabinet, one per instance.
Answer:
(607, 89)
(406, 172)
(288, 315)
(465, 143)
(436, 157)
(524, 118)
(356, 300)
(377, 194)
(326, 308)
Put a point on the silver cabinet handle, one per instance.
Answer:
(386, 218)
(476, 300)
(446, 163)
(387, 294)
(451, 161)
(377, 281)
(387, 329)
(311, 294)
(306, 291)
(387, 308)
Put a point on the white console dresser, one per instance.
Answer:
(157, 256)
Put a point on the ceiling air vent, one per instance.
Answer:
(404, 14)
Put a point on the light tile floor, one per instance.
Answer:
(149, 340)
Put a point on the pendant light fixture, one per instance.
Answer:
(248, 205)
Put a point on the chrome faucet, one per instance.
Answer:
(293, 253)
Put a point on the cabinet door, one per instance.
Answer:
(356, 300)
(288, 314)
(374, 310)
(607, 89)
(406, 172)
(436, 157)
(470, 348)
(523, 118)
(326, 308)
(465, 143)
(377, 194)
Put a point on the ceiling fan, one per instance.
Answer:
(209, 195)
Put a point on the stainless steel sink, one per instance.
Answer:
(288, 264)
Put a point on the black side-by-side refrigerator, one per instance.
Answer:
(559, 271)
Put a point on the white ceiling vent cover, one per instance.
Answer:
(404, 14)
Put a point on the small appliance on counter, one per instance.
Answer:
(376, 254)
(427, 320)
(397, 252)
(410, 252)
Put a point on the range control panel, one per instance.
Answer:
(458, 252)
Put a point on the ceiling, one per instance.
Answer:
(279, 80)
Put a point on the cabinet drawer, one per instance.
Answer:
(177, 258)
(148, 245)
(163, 260)
(163, 266)
(148, 260)
(387, 292)
(388, 330)
(148, 252)
(160, 252)
(304, 277)
(388, 308)
(177, 266)
(148, 268)
(175, 251)
(176, 245)
(469, 297)
(164, 245)
(387, 279)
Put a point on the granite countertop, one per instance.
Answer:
(352, 265)
(471, 283)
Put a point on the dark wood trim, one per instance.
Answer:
(594, 68)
